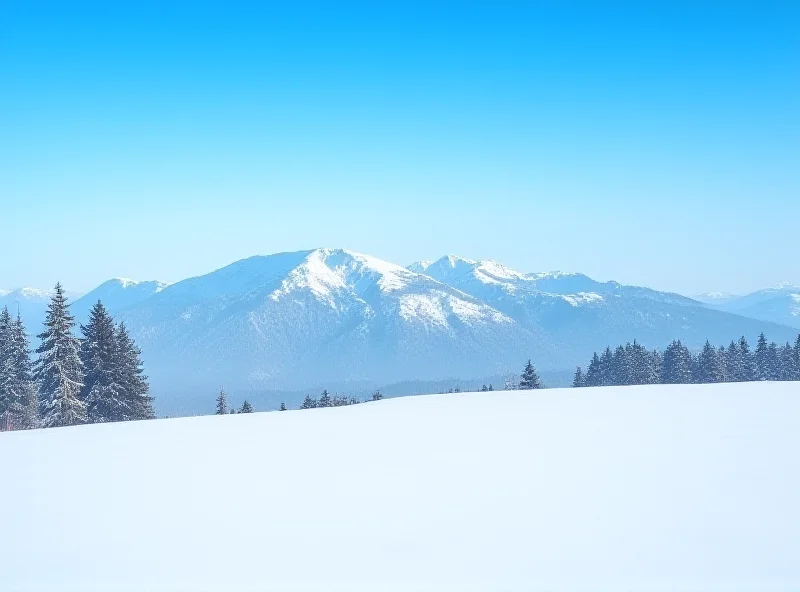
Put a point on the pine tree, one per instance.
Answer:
(101, 393)
(222, 403)
(324, 399)
(747, 366)
(491, 388)
(136, 402)
(246, 407)
(786, 362)
(21, 387)
(722, 356)
(795, 372)
(761, 355)
(607, 368)
(308, 403)
(678, 364)
(484, 388)
(593, 372)
(377, 396)
(10, 404)
(58, 370)
(772, 369)
(578, 381)
(529, 379)
(709, 365)
(283, 406)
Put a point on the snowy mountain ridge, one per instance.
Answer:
(327, 317)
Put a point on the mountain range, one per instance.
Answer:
(331, 317)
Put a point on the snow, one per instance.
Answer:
(629, 488)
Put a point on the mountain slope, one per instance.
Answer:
(583, 315)
(629, 488)
(117, 295)
(294, 320)
(780, 304)
(31, 304)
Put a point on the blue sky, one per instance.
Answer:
(656, 146)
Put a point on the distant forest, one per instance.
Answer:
(633, 364)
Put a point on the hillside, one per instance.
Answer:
(638, 488)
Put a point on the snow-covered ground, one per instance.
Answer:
(620, 489)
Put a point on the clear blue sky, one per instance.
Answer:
(651, 146)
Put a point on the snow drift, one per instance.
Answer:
(625, 488)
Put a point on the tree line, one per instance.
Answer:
(633, 364)
(96, 378)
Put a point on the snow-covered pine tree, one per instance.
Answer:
(733, 362)
(308, 403)
(786, 362)
(722, 356)
(491, 388)
(101, 393)
(22, 388)
(529, 379)
(137, 402)
(10, 406)
(593, 371)
(578, 381)
(760, 356)
(58, 369)
(747, 366)
(324, 399)
(222, 403)
(607, 368)
(678, 364)
(709, 366)
(283, 406)
(246, 407)
(621, 366)
(773, 362)
(796, 360)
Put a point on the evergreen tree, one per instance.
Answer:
(222, 403)
(654, 361)
(324, 399)
(607, 368)
(709, 365)
(136, 401)
(796, 360)
(761, 361)
(283, 406)
(787, 362)
(246, 407)
(484, 388)
(677, 365)
(22, 390)
(593, 372)
(58, 370)
(491, 388)
(578, 381)
(621, 366)
(772, 369)
(747, 367)
(10, 402)
(529, 379)
(308, 403)
(377, 396)
(733, 362)
(722, 356)
(101, 393)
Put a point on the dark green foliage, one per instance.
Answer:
(246, 407)
(101, 393)
(137, 402)
(222, 403)
(308, 403)
(529, 379)
(58, 370)
(579, 380)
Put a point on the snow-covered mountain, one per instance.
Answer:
(330, 317)
(31, 304)
(296, 320)
(117, 295)
(334, 318)
(779, 304)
